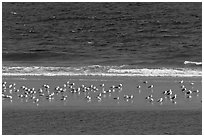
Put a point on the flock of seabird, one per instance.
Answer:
(89, 93)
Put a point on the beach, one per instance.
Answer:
(99, 68)
(77, 115)
(129, 87)
(101, 121)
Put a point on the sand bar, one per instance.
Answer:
(116, 98)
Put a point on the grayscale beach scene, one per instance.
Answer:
(101, 68)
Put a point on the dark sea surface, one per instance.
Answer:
(97, 122)
(100, 38)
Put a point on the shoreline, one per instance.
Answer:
(98, 77)
(98, 70)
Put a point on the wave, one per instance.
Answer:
(193, 63)
(97, 70)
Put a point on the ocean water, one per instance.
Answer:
(131, 39)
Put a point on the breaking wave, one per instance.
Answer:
(193, 63)
(97, 70)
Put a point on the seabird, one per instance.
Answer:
(151, 86)
(188, 92)
(183, 89)
(189, 96)
(160, 100)
(196, 91)
(181, 82)
(117, 98)
(174, 97)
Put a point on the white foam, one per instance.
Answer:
(158, 72)
(192, 62)
(99, 71)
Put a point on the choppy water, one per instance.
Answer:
(68, 38)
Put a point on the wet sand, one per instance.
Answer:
(125, 110)
(129, 87)
(101, 122)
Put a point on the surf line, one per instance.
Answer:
(192, 62)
